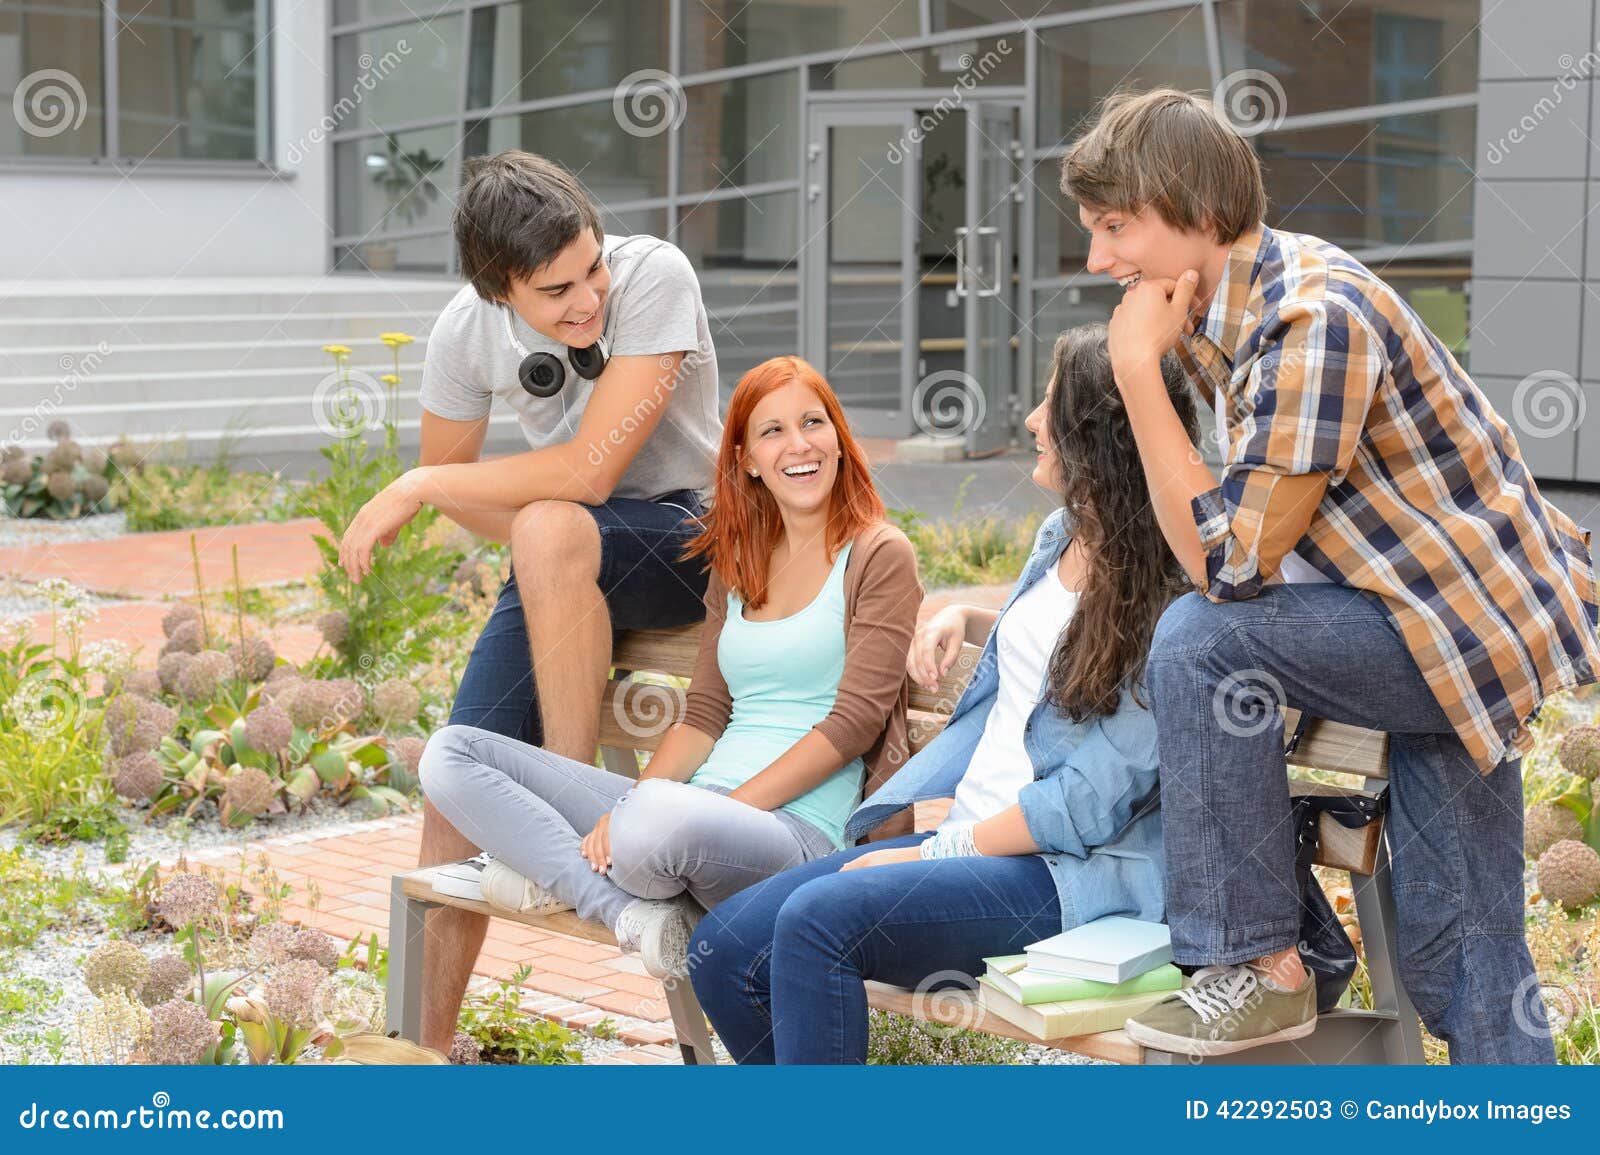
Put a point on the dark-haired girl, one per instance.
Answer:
(1049, 756)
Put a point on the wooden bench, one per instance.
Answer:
(636, 713)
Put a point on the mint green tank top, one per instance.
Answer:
(783, 676)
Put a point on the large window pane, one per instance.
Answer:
(1353, 54)
(402, 255)
(539, 48)
(187, 72)
(741, 132)
(614, 164)
(948, 14)
(972, 64)
(744, 338)
(626, 222)
(399, 73)
(390, 183)
(743, 249)
(1397, 180)
(354, 11)
(724, 33)
(1083, 63)
(53, 56)
(1060, 244)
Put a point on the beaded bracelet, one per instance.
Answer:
(951, 842)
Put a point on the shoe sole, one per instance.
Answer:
(1204, 1048)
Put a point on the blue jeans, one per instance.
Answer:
(779, 968)
(645, 585)
(1217, 674)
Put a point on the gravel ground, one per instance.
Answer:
(22, 531)
(171, 836)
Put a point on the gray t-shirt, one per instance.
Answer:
(653, 307)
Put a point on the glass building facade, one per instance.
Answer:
(874, 183)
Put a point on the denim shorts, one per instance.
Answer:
(646, 586)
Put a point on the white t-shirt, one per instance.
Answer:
(1027, 636)
(653, 307)
(1294, 569)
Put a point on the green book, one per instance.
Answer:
(1010, 973)
(1063, 1020)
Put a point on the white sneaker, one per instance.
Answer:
(505, 889)
(462, 879)
(660, 929)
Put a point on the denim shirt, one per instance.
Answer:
(1092, 807)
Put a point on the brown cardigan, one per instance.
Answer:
(881, 597)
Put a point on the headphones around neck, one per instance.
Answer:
(543, 374)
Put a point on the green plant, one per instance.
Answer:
(898, 1040)
(987, 551)
(86, 820)
(507, 1034)
(392, 616)
(64, 483)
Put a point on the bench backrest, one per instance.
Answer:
(635, 714)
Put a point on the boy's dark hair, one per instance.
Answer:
(515, 214)
(1173, 152)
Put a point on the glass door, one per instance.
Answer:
(862, 212)
(986, 275)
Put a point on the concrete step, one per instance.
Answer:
(175, 359)
(17, 333)
(269, 296)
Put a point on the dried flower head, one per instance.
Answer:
(138, 776)
(180, 1032)
(189, 898)
(268, 729)
(253, 659)
(290, 993)
(395, 701)
(465, 1051)
(169, 978)
(188, 638)
(115, 965)
(335, 627)
(180, 612)
(272, 942)
(113, 1029)
(250, 790)
(170, 668)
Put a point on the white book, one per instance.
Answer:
(1108, 950)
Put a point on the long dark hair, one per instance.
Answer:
(1132, 574)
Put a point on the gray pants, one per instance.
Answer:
(531, 809)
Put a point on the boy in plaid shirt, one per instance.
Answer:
(1375, 553)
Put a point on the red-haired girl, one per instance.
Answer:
(798, 699)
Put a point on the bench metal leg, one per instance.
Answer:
(1402, 1039)
(689, 1021)
(407, 940)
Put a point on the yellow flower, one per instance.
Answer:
(390, 379)
(337, 350)
(394, 340)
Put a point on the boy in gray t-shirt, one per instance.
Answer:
(601, 347)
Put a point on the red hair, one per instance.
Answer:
(742, 527)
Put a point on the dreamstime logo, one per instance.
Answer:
(943, 1003)
(1547, 403)
(646, 709)
(1572, 71)
(347, 403)
(1561, 1007)
(1246, 703)
(77, 370)
(372, 70)
(948, 403)
(48, 704)
(49, 102)
(974, 70)
(649, 102)
(1253, 101)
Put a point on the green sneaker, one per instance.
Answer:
(1226, 1009)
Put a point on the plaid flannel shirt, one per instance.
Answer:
(1357, 440)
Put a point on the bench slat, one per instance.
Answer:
(418, 884)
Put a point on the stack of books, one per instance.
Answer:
(1091, 978)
